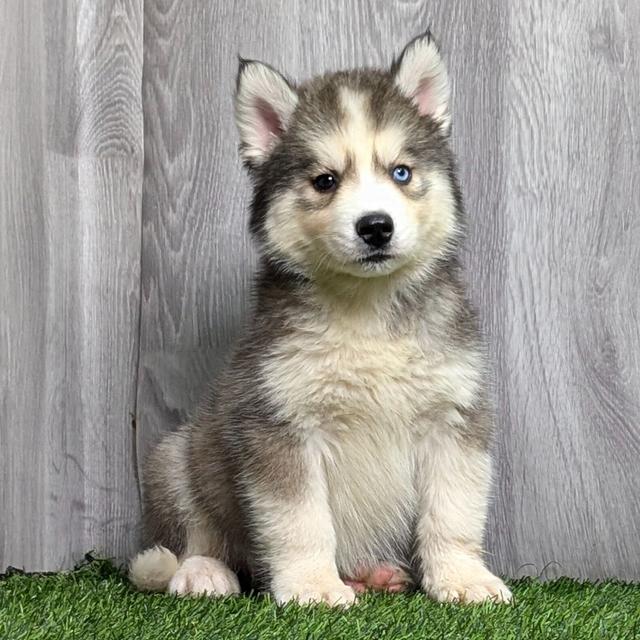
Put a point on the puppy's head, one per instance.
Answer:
(352, 171)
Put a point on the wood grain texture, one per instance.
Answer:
(123, 296)
(546, 112)
(568, 339)
(197, 258)
(70, 221)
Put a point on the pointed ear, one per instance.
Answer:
(264, 103)
(420, 75)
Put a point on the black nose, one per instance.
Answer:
(375, 229)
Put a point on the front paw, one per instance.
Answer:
(331, 591)
(465, 581)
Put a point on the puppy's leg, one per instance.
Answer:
(175, 523)
(293, 526)
(200, 572)
(454, 477)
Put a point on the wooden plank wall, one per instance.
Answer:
(125, 289)
(70, 221)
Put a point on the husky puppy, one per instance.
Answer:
(347, 444)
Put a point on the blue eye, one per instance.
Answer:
(401, 174)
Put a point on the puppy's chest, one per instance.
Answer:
(360, 398)
(339, 382)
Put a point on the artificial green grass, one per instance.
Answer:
(96, 601)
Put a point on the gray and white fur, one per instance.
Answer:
(351, 426)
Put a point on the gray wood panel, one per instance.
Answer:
(197, 258)
(70, 220)
(546, 105)
(564, 294)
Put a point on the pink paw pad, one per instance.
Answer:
(383, 577)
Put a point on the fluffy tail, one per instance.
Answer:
(152, 569)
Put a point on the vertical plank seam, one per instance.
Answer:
(134, 419)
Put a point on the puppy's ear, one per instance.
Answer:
(264, 102)
(420, 75)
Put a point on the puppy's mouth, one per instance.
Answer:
(376, 258)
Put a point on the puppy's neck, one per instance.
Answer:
(370, 302)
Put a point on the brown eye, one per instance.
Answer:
(325, 182)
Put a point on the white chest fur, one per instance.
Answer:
(364, 398)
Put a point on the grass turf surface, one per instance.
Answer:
(96, 601)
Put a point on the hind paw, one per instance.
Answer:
(199, 575)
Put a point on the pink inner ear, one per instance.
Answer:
(270, 126)
(425, 98)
